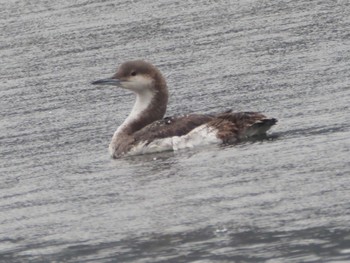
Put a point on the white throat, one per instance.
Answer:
(143, 100)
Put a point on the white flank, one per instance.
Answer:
(159, 145)
(202, 135)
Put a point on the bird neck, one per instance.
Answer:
(150, 105)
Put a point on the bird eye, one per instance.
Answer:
(133, 73)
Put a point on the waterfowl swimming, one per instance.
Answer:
(146, 130)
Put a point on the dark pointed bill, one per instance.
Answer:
(112, 82)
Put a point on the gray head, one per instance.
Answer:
(151, 93)
(138, 76)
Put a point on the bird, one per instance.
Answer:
(146, 130)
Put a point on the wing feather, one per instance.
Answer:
(171, 126)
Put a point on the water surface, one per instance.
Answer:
(286, 199)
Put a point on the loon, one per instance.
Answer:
(146, 130)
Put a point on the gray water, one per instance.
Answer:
(286, 199)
